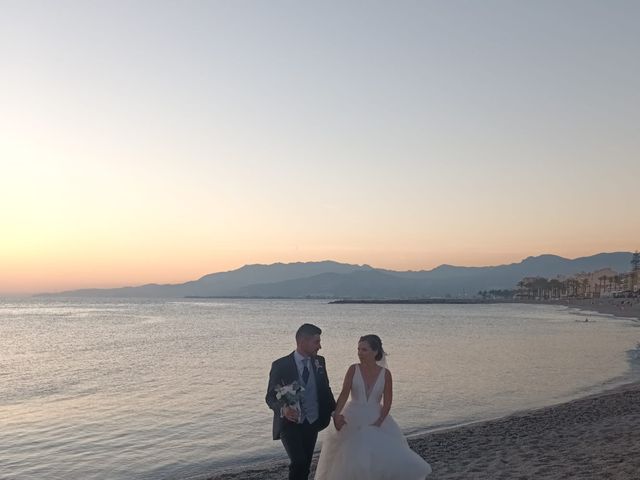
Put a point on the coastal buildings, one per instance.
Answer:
(601, 283)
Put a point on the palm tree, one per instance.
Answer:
(572, 287)
(542, 287)
(635, 269)
(635, 261)
(601, 284)
(586, 287)
(529, 286)
(555, 286)
(617, 281)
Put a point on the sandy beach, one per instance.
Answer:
(595, 437)
(620, 307)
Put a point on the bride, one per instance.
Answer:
(366, 443)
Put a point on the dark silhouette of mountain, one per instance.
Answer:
(358, 284)
(225, 283)
(331, 279)
(449, 279)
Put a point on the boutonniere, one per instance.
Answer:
(318, 366)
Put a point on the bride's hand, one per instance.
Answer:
(378, 422)
(339, 422)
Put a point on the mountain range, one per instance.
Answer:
(329, 279)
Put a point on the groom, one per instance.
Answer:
(298, 433)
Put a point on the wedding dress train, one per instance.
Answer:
(360, 451)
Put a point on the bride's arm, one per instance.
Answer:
(386, 399)
(338, 419)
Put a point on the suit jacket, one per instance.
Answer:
(283, 372)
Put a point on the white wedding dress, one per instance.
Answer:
(360, 451)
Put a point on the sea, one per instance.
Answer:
(174, 388)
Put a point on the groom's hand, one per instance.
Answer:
(291, 414)
(339, 422)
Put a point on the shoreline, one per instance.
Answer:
(618, 307)
(421, 301)
(595, 436)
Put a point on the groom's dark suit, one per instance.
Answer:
(299, 440)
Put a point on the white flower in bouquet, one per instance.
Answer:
(290, 396)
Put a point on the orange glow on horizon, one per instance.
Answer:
(40, 275)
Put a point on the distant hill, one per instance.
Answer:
(331, 279)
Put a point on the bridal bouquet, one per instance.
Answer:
(290, 396)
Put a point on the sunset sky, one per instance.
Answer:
(160, 141)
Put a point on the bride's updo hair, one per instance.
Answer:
(375, 343)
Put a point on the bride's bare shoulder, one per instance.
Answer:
(350, 372)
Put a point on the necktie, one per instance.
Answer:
(305, 371)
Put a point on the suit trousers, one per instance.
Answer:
(299, 441)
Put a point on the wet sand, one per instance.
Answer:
(620, 307)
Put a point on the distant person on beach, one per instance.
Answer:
(297, 425)
(366, 442)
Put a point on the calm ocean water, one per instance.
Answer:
(164, 389)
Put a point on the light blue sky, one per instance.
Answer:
(403, 134)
